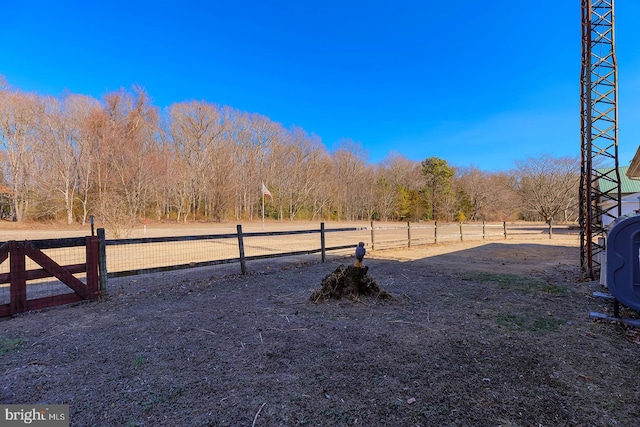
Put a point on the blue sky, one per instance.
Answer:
(482, 83)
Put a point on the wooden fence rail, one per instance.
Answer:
(18, 251)
(250, 246)
(376, 236)
(239, 237)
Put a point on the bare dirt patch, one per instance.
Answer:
(476, 334)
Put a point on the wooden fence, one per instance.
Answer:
(252, 246)
(111, 258)
(240, 238)
(18, 251)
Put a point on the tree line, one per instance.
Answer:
(122, 159)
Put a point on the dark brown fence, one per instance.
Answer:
(160, 254)
(116, 258)
(127, 257)
(17, 252)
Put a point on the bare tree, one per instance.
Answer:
(85, 114)
(65, 152)
(19, 114)
(473, 182)
(547, 185)
(398, 182)
(368, 194)
(202, 142)
(504, 201)
(387, 196)
(490, 196)
(321, 194)
(196, 130)
(253, 138)
(65, 157)
(295, 167)
(221, 177)
(160, 185)
(348, 179)
(56, 177)
(128, 143)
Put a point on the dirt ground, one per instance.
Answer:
(476, 334)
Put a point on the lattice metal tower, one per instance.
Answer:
(599, 133)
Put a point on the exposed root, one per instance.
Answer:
(349, 281)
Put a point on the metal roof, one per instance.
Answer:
(627, 186)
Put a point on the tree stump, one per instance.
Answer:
(350, 281)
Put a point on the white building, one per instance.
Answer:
(629, 191)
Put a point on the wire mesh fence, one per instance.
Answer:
(125, 257)
(40, 273)
(48, 286)
(206, 253)
(239, 252)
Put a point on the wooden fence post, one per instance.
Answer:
(550, 229)
(461, 231)
(243, 266)
(504, 226)
(435, 232)
(18, 291)
(484, 230)
(408, 234)
(102, 260)
(322, 243)
(373, 240)
(92, 256)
